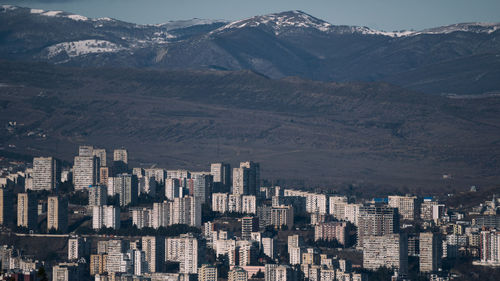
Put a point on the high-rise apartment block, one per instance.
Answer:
(161, 214)
(330, 231)
(337, 206)
(186, 210)
(154, 249)
(67, 272)
(121, 155)
(105, 216)
(490, 247)
(27, 210)
(407, 206)
(46, 173)
(268, 247)
(249, 204)
(237, 274)
(249, 225)
(98, 264)
(282, 215)
(207, 272)
(172, 187)
(351, 212)
(246, 178)
(389, 251)
(183, 249)
(219, 202)
(376, 221)
(98, 195)
(57, 214)
(274, 272)
(234, 203)
(429, 252)
(126, 186)
(85, 172)
(222, 176)
(6, 207)
(104, 174)
(101, 154)
(77, 247)
(202, 186)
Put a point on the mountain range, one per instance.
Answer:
(457, 59)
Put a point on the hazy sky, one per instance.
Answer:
(387, 15)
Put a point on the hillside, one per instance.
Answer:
(310, 133)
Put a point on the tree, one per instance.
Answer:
(41, 274)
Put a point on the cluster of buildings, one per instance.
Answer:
(244, 235)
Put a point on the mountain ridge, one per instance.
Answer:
(277, 45)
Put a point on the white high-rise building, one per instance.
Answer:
(389, 251)
(27, 210)
(490, 247)
(429, 256)
(234, 203)
(86, 150)
(316, 203)
(154, 249)
(98, 195)
(140, 263)
(186, 210)
(219, 202)
(207, 272)
(172, 188)
(105, 216)
(142, 217)
(249, 204)
(101, 154)
(121, 155)
(202, 186)
(57, 214)
(183, 249)
(268, 247)
(351, 212)
(85, 172)
(66, 272)
(295, 255)
(282, 215)
(77, 247)
(46, 173)
(178, 174)
(157, 173)
(126, 186)
(161, 214)
(240, 180)
(337, 206)
(407, 206)
(222, 176)
(237, 274)
(253, 176)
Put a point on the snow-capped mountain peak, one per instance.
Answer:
(280, 22)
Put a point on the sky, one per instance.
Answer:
(388, 15)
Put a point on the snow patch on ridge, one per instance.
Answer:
(6, 8)
(83, 47)
(78, 17)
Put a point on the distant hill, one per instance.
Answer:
(307, 133)
(457, 59)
